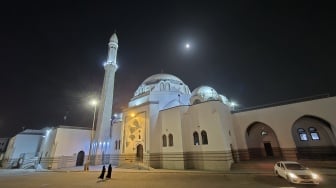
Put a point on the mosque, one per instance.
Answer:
(169, 126)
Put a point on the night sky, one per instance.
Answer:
(254, 53)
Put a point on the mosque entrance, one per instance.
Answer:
(139, 153)
(268, 149)
(80, 158)
(262, 141)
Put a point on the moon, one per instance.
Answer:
(187, 45)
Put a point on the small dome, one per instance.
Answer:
(164, 77)
(202, 94)
(224, 99)
(114, 38)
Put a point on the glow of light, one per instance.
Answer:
(187, 46)
(233, 104)
(110, 63)
(100, 143)
(132, 114)
(94, 102)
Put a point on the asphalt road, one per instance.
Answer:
(148, 180)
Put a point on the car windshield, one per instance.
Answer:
(295, 166)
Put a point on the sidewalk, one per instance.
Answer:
(240, 168)
(98, 168)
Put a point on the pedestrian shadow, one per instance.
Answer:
(99, 181)
(104, 180)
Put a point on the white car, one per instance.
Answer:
(294, 172)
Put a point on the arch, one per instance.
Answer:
(196, 138)
(80, 158)
(171, 140)
(167, 86)
(262, 141)
(164, 140)
(139, 152)
(162, 87)
(204, 137)
(314, 138)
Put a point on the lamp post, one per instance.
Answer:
(94, 104)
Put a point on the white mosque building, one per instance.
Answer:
(166, 125)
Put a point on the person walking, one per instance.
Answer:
(109, 172)
(102, 174)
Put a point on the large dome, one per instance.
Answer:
(166, 88)
(161, 77)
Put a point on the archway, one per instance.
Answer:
(80, 158)
(314, 138)
(139, 153)
(262, 142)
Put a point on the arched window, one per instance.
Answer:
(161, 86)
(264, 133)
(313, 133)
(164, 140)
(170, 138)
(204, 138)
(196, 138)
(167, 86)
(302, 134)
(115, 145)
(119, 145)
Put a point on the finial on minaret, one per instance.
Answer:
(114, 38)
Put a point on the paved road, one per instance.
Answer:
(31, 179)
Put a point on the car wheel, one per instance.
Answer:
(289, 180)
(276, 173)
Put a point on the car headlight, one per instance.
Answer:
(292, 175)
(315, 176)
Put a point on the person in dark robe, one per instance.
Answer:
(109, 172)
(102, 174)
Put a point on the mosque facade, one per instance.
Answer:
(169, 126)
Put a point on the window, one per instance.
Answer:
(167, 86)
(118, 144)
(196, 138)
(302, 134)
(164, 140)
(313, 133)
(204, 138)
(170, 139)
(161, 86)
(264, 133)
(115, 145)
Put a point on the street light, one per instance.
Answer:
(94, 104)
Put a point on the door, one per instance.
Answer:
(139, 153)
(80, 158)
(268, 149)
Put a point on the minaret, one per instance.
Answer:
(102, 136)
